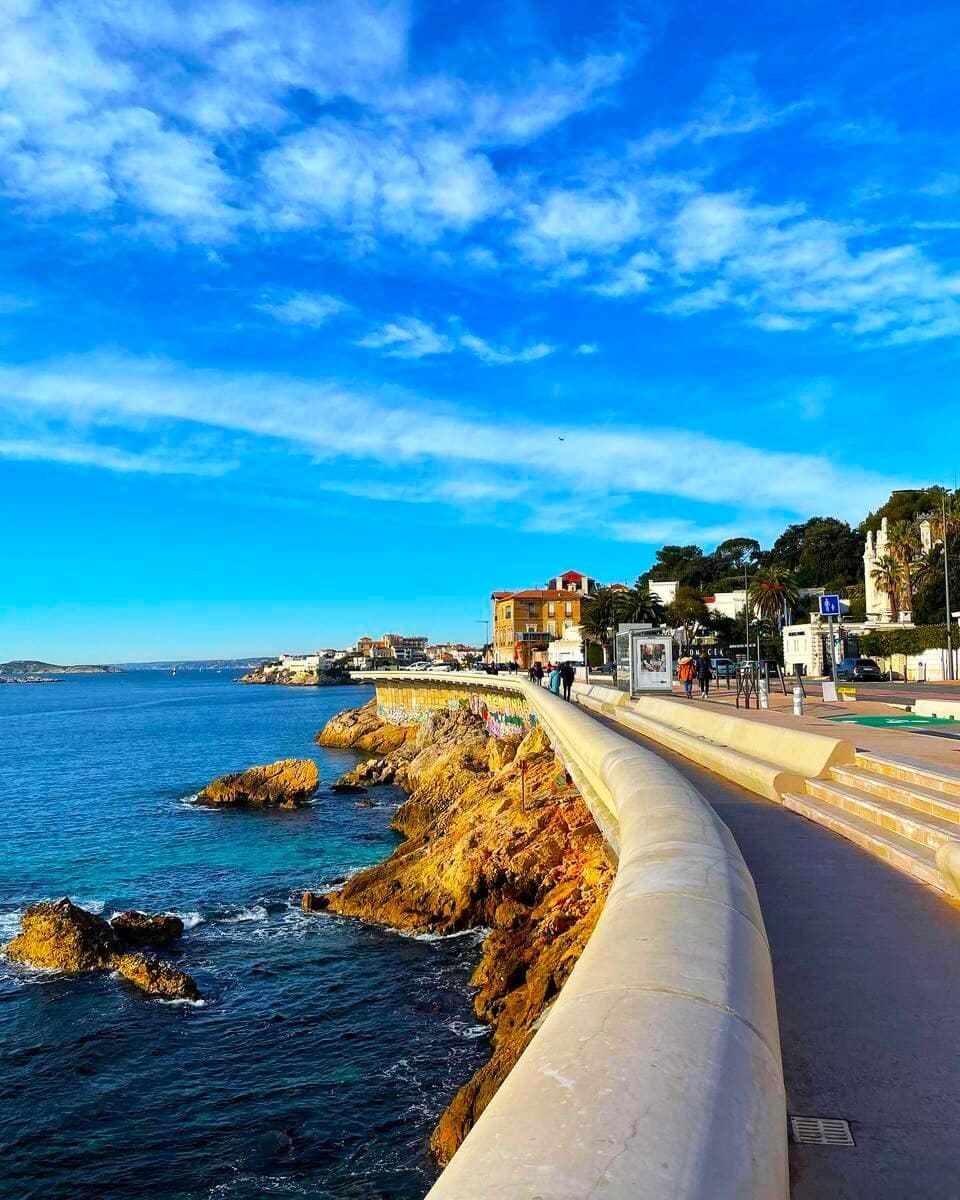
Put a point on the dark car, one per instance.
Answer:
(859, 670)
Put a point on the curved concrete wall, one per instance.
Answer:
(656, 1074)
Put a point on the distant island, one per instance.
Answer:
(31, 666)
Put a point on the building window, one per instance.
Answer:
(551, 627)
(551, 609)
(568, 608)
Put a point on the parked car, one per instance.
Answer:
(723, 668)
(859, 670)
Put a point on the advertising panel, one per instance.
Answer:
(652, 663)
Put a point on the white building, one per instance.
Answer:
(300, 664)
(879, 606)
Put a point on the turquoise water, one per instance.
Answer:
(325, 1048)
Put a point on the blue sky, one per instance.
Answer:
(319, 319)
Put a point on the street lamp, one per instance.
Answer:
(486, 622)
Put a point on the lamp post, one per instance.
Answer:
(946, 582)
(485, 621)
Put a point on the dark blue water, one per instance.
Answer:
(325, 1048)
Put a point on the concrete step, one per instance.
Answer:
(938, 779)
(942, 805)
(895, 818)
(911, 857)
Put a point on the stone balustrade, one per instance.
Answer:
(656, 1074)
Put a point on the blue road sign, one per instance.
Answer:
(829, 606)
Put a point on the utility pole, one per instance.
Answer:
(746, 611)
(946, 582)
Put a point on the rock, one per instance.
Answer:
(536, 876)
(136, 928)
(63, 937)
(284, 784)
(501, 752)
(157, 978)
(535, 744)
(347, 789)
(371, 772)
(363, 729)
(314, 902)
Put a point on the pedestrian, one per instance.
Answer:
(555, 680)
(568, 674)
(531, 673)
(537, 669)
(704, 674)
(687, 673)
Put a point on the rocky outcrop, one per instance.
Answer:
(135, 928)
(501, 752)
(314, 902)
(272, 673)
(484, 848)
(59, 935)
(156, 978)
(362, 729)
(282, 784)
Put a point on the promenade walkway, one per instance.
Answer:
(867, 969)
(933, 750)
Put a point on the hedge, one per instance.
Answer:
(884, 642)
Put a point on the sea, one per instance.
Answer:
(324, 1049)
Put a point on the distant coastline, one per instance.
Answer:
(25, 667)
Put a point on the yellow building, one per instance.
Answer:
(526, 622)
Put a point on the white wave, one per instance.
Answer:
(480, 932)
(10, 924)
(190, 919)
(184, 1002)
(256, 912)
(464, 1030)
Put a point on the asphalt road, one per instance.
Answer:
(867, 969)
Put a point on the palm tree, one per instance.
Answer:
(886, 577)
(903, 546)
(771, 591)
(952, 506)
(598, 616)
(638, 605)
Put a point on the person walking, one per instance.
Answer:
(537, 670)
(687, 673)
(568, 674)
(555, 680)
(704, 674)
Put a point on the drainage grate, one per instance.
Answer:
(821, 1131)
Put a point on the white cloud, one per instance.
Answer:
(108, 458)
(302, 308)
(367, 181)
(491, 354)
(407, 337)
(587, 348)
(329, 422)
(583, 220)
(410, 337)
(631, 278)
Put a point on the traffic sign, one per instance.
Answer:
(829, 606)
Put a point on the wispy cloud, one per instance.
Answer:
(302, 308)
(407, 337)
(330, 423)
(411, 337)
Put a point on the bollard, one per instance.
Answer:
(798, 701)
(763, 693)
